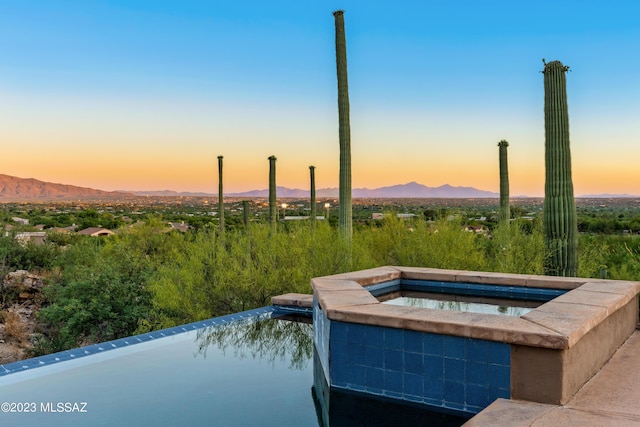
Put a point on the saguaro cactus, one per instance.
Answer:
(220, 196)
(505, 212)
(272, 192)
(345, 212)
(560, 223)
(312, 173)
(245, 213)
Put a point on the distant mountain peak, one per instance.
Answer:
(409, 190)
(14, 188)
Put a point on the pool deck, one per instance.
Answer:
(610, 398)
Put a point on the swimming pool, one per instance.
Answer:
(245, 369)
(256, 370)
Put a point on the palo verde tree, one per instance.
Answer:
(560, 218)
(505, 213)
(220, 196)
(272, 193)
(345, 212)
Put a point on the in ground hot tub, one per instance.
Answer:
(461, 361)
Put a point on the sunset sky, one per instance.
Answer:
(144, 95)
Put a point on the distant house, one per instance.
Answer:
(180, 226)
(295, 218)
(378, 215)
(68, 229)
(37, 237)
(478, 229)
(96, 231)
(21, 221)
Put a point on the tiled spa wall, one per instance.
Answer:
(449, 372)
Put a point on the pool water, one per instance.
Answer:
(256, 371)
(241, 374)
(470, 304)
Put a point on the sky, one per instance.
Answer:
(145, 95)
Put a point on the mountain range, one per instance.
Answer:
(17, 189)
(411, 190)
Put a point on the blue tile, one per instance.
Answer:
(393, 360)
(436, 403)
(433, 367)
(393, 338)
(499, 376)
(472, 409)
(453, 392)
(339, 384)
(375, 336)
(393, 394)
(499, 353)
(476, 395)
(456, 406)
(433, 344)
(338, 351)
(357, 387)
(413, 363)
(375, 380)
(477, 349)
(413, 385)
(356, 333)
(433, 389)
(497, 394)
(393, 381)
(374, 357)
(339, 331)
(355, 354)
(413, 398)
(454, 347)
(454, 370)
(339, 372)
(413, 342)
(357, 375)
(476, 373)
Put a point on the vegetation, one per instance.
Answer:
(560, 218)
(145, 278)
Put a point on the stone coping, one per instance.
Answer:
(293, 300)
(557, 324)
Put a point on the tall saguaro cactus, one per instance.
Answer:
(560, 223)
(272, 192)
(345, 212)
(505, 212)
(220, 196)
(312, 173)
(245, 213)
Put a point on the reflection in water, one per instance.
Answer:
(262, 338)
(450, 302)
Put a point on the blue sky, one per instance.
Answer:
(145, 95)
